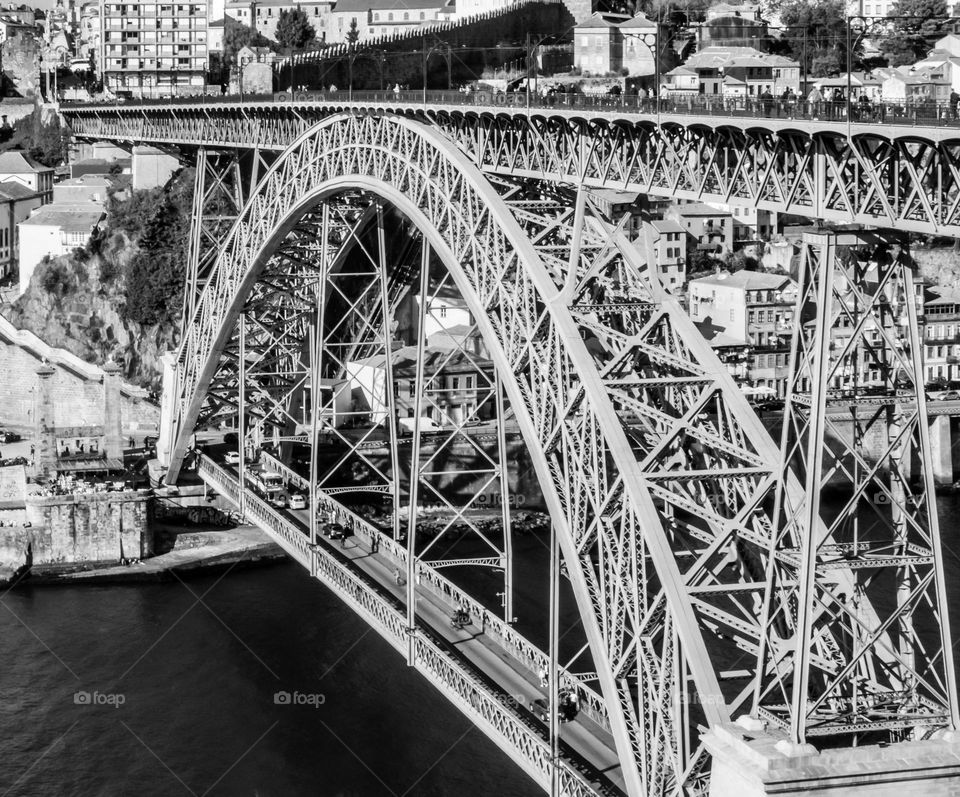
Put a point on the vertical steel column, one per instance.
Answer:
(315, 334)
(915, 341)
(315, 366)
(388, 370)
(415, 453)
(241, 410)
(814, 476)
(553, 702)
(503, 459)
(196, 237)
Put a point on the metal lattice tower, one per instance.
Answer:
(858, 640)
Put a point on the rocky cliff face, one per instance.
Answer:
(77, 305)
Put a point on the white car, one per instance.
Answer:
(232, 458)
(298, 502)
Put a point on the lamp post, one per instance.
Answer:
(867, 24)
(444, 49)
(531, 49)
(654, 49)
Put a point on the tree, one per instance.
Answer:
(154, 277)
(294, 30)
(815, 33)
(911, 39)
(236, 36)
(353, 33)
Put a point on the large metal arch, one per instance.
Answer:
(236, 287)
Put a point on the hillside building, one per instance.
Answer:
(153, 50)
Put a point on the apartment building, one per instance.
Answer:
(151, 49)
(755, 308)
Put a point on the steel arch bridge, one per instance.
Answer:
(708, 584)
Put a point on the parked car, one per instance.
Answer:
(298, 501)
(232, 458)
(9, 437)
(950, 395)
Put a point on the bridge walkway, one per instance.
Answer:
(588, 755)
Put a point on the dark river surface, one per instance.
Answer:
(171, 689)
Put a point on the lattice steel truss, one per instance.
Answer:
(663, 486)
(869, 651)
(898, 176)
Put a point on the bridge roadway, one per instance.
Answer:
(897, 168)
(501, 674)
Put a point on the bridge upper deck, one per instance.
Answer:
(933, 123)
(887, 165)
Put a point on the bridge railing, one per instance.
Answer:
(495, 712)
(893, 111)
(507, 637)
(291, 536)
(475, 698)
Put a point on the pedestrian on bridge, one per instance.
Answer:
(766, 101)
(815, 101)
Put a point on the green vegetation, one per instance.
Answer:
(236, 36)
(158, 222)
(911, 39)
(294, 30)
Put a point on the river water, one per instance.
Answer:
(171, 689)
(182, 679)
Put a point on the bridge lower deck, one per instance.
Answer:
(588, 754)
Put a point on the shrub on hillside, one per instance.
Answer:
(153, 279)
(54, 277)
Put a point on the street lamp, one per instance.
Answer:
(444, 49)
(646, 38)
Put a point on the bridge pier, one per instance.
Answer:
(168, 409)
(941, 449)
(751, 763)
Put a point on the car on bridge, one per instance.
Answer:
(949, 395)
(568, 706)
(298, 501)
(232, 458)
(335, 531)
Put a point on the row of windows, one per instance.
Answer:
(150, 9)
(155, 24)
(198, 64)
(149, 51)
(942, 351)
(378, 17)
(763, 316)
(940, 331)
(771, 360)
(466, 382)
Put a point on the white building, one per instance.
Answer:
(54, 230)
(263, 15)
(670, 249)
(153, 50)
(16, 167)
(385, 17)
(17, 202)
(751, 306)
